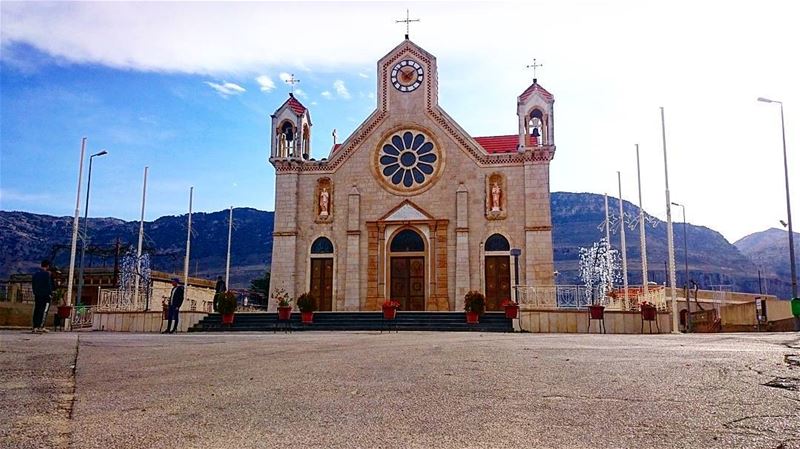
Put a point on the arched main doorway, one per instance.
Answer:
(497, 271)
(321, 286)
(407, 270)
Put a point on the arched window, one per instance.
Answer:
(536, 127)
(497, 242)
(407, 241)
(322, 245)
(287, 138)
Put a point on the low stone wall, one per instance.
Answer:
(141, 321)
(577, 321)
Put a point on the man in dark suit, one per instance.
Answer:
(175, 303)
(42, 284)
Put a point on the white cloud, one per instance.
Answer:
(341, 89)
(226, 89)
(300, 93)
(363, 75)
(285, 76)
(266, 83)
(327, 95)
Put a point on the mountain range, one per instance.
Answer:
(578, 218)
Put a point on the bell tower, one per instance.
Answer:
(291, 131)
(535, 112)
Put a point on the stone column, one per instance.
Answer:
(462, 247)
(284, 237)
(352, 290)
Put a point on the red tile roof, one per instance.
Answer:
(535, 87)
(499, 144)
(295, 105)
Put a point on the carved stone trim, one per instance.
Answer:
(284, 233)
(538, 228)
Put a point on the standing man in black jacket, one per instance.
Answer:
(42, 284)
(175, 303)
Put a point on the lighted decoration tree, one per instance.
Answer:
(599, 269)
(127, 276)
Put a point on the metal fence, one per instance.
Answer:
(128, 301)
(580, 297)
(82, 317)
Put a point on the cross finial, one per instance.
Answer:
(292, 81)
(407, 21)
(533, 66)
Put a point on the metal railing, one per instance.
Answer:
(119, 300)
(82, 317)
(580, 297)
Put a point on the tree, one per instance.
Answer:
(260, 287)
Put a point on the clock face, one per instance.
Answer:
(407, 75)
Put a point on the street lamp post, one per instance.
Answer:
(685, 268)
(84, 238)
(788, 207)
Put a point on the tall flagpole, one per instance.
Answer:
(608, 244)
(622, 240)
(74, 248)
(188, 249)
(670, 240)
(139, 246)
(228, 261)
(642, 227)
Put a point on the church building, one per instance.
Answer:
(410, 207)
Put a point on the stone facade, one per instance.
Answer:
(409, 166)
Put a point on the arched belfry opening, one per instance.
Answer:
(497, 271)
(407, 269)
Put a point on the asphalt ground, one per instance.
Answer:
(399, 390)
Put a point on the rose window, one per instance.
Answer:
(408, 160)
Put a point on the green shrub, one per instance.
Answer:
(226, 302)
(306, 302)
(474, 301)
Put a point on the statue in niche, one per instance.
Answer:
(324, 198)
(495, 197)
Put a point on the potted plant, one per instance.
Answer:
(64, 311)
(474, 306)
(648, 311)
(306, 303)
(511, 308)
(280, 296)
(226, 306)
(390, 309)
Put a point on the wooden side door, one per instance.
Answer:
(498, 281)
(408, 282)
(322, 282)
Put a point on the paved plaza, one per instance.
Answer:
(400, 390)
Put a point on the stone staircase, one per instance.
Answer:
(358, 321)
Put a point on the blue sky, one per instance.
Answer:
(187, 90)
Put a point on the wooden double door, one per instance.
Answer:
(322, 282)
(408, 282)
(498, 281)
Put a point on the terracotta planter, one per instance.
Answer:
(64, 312)
(284, 313)
(512, 311)
(389, 313)
(596, 312)
(308, 317)
(649, 313)
(472, 317)
(227, 318)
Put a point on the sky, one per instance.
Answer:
(187, 89)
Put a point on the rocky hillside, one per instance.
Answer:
(26, 238)
(769, 250)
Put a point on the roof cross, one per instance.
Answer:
(292, 81)
(407, 21)
(533, 66)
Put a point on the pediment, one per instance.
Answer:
(407, 211)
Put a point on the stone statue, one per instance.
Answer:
(324, 197)
(495, 197)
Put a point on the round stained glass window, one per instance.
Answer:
(408, 160)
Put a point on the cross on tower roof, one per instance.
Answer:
(407, 21)
(533, 66)
(292, 81)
